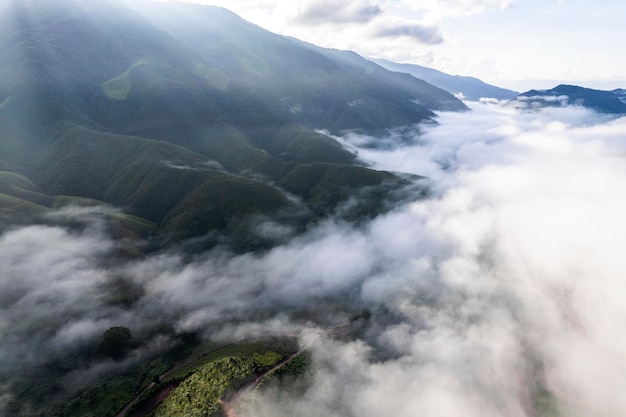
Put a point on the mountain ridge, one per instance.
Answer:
(131, 103)
(603, 101)
(470, 88)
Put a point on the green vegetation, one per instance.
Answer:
(106, 399)
(295, 143)
(119, 87)
(233, 149)
(215, 77)
(115, 341)
(207, 353)
(223, 201)
(190, 132)
(43, 391)
(199, 395)
(326, 185)
(545, 403)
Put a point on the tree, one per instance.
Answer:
(115, 341)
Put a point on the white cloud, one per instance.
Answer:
(499, 295)
(364, 26)
(509, 283)
(455, 8)
(325, 12)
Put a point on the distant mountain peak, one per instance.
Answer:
(602, 101)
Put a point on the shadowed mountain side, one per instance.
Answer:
(184, 193)
(154, 180)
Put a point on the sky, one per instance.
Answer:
(517, 44)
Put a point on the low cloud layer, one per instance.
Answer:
(506, 288)
(499, 295)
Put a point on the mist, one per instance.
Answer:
(500, 294)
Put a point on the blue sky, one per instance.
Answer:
(513, 43)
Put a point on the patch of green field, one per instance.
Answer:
(210, 352)
(214, 76)
(250, 63)
(199, 395)
(118, 88)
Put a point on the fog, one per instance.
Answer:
(500, 294)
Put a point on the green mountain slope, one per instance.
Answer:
(185, 116)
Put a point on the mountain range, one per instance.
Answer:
(469, 88)
(607, 102)
(192, 121)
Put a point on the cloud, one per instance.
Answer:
(323, 11)
(455, 8)
(50, 281)
(504, 290)
(426, 34)
(500, 294)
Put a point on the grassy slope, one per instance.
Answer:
(157, 181)
(118, 88)
(222, 202)
(199, 395)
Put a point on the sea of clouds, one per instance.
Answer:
(502, 293)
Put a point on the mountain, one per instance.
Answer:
(471, 88)
(194, 122)
(609, 102)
